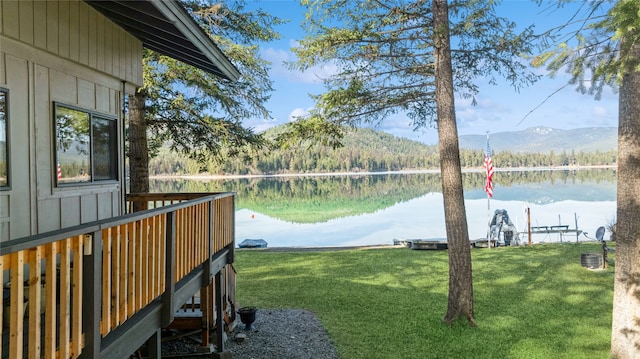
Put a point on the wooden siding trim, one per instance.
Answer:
(32, 147)
(83, 28)
(3, 70)
(92, 39)
(26, 21)
(75, 31)
(64, 38)
(52, 27)
(17, 49)
(1, 30)
(44, 127)
(100, 43)
(40, 18)
(11, 18)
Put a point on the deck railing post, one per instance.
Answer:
(232, 230)
(92, 296)
(208, 274)
(168, 297)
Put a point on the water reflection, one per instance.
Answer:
(375, 209)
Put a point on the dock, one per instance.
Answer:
(430, 243)
(561, 230)
(438, 243)
(555, 229)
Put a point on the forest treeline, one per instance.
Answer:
(364, 150)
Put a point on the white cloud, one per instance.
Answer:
(487, 114)
(297, 112)
(312, 75)
(263, 126)
(600, 111)
(277, 57)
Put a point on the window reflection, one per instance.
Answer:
(86, 146)
(4, 143)
(72, 142)
(104, 149)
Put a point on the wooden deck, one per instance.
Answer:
(106, 288)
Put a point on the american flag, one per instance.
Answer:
(488, 166)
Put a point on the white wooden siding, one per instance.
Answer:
(75, 31)
(20, 140)
(58, 51)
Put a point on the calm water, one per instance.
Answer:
(376, 209)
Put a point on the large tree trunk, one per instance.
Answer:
(138, 149)
(625, 334)
(460, 303)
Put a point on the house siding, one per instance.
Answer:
(74, 31)
(66, 52)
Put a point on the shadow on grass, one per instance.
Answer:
(533, 302)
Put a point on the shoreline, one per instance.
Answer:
(322, 248)
(329, 174)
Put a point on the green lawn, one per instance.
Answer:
(530, 302)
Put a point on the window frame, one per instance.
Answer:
(7, 133)
(93, 115)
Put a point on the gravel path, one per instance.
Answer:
(276, 333)
(284, 334)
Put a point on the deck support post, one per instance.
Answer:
(205, 308)
(207, 278)
(92, 297)
(168, 297)
(219, 313)
(153, 344)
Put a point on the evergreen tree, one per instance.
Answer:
(195, 112)
(607, 53)
(395, 57)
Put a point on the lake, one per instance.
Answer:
(350, 210)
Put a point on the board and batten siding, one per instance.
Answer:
(65, 52)
(75, 31)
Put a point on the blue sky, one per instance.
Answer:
(498, 109)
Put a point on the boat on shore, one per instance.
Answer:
(253, 243)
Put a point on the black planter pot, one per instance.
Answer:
(247, 316)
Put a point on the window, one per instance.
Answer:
(86, 146)
(4, 138)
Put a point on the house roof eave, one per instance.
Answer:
(166, 27)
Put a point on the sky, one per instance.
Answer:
(499, 108)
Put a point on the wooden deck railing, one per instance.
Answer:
(104, 288)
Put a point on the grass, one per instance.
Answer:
(530, 302)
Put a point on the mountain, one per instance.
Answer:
(531, 140)
(371, 140)
(545, 139)
(368, 150)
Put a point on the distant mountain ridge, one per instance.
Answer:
(531, 140)
(545, 139)
(369, 150)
